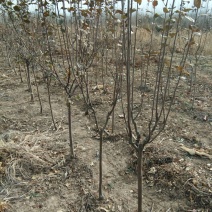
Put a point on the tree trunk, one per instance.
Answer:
(70, 130)
(100, 164)
(139, 170)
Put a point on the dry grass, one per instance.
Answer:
(208, 44)
(3, 206)
(19, 161)
(143, 39)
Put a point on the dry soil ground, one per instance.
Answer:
(37, 176)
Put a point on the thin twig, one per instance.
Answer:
(152, 207)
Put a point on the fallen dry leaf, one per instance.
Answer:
(195, 152)
(103, 209)
(121, 116)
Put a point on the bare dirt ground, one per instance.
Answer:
(37, 176)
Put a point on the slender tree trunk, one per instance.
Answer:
(70, 129)
(19, 67)
(113, 113)
(100, 165)
(29, 81)
(49, 98)
(139, 170)
(41, 108)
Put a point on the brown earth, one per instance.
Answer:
(36, 174)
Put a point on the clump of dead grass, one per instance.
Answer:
(208, 44)
(20, 163)
(170, 173)
(4, 206)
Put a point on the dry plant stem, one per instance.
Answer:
(9, 59)
(33, 71)
(132, 53)
(70, 129)
(101, 131)
(193, 81)
(194, 69)
(155, 106)
(19, 67)
(29, 80)
(60, 39)
(113, 116)
(48, 82)
(133, 79)
(114, 92)
(160, 79)
(152, 208)
(139, 174)
(68, 84)
(157, 112)
(129, 118)
(100, 164)
(123, 59)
